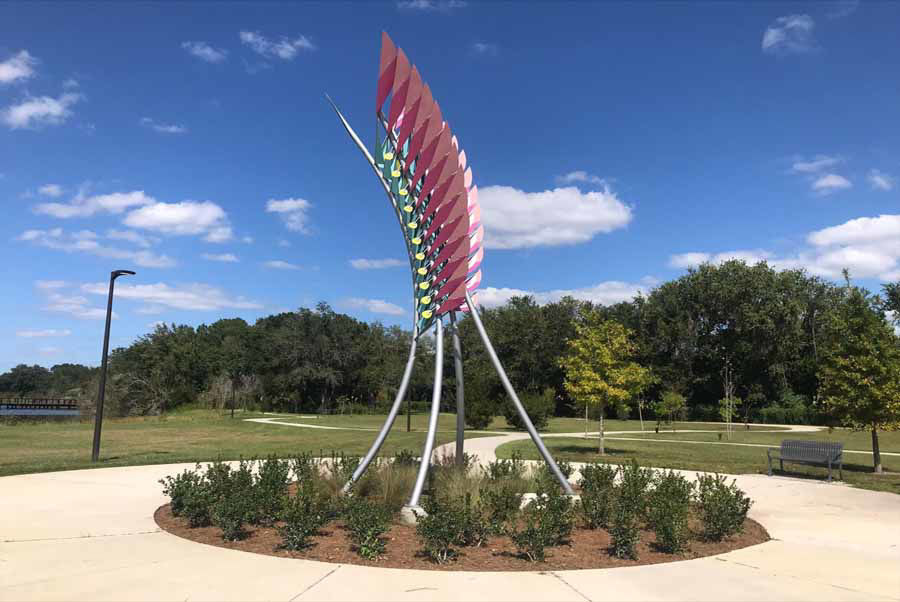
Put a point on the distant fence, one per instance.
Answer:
(38, 406)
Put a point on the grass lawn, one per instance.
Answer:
(857, 440)
(678, 452)
(447, 422)
(194, 435)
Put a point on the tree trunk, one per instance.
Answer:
(876, 451)
(602, 448)
(232, 399)
(585, 420)
(641, 415)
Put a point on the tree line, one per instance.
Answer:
(762, 333)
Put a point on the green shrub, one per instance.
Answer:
(197, 502)
(366, 522)
(540, 408)
(533, 536)
(449, 523)
(271, 489)
(512, 468)
(670, 504)
(597, 494)
(723, 507)
(303, 514)
(230, 513)
(545, 479)
(501, 502)
(179, 487)
(479, 414)
(341, 466)
(218, 475)
(634, 485)
(629, 507)
(406, 457)
(303, 466)
(547, 521)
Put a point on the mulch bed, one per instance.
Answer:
(588, 549)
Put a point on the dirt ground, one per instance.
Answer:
(587, 549)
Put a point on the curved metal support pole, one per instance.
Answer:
(433, 419)
(473, 311)
(389, 421)
(460, 392)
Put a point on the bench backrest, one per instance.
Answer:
(812, 451)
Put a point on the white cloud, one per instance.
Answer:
(375, 306)
(132, 237)
(293, 212)
(223, 257)
(278, 264)
(52, 190)
(829, 183)
(163, 128)
(49, 332)
(514, 219)
(285, 49)
(284, 244)
(862, 230)
(430, 5)
(574, 177)
(76, 306)
(693, 259)
(842, 8)
(49, 284)
(792, 34)
(19, 66)
(880, 181)
(377, 264)
(50, 350)
(155, 325)
(85, 241)
(38, 111)
(82, 206)
(816, 164)
(205, 52)
(247, 240)
(184, 218)
(605, 293)
(869, 247)
(70, 84)
(485, 48)
(150, 310)
(195, 297)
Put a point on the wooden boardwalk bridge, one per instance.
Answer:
(38, 406)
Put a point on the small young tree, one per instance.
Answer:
(670, 405)
(599, 367)
(859, 373)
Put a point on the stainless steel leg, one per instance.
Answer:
(389, 421)
(473, 311)
(460, 392)
(433, 419)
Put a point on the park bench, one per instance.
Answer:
(813, 453)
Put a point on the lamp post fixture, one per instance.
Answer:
(98, 415)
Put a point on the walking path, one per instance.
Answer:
(90, 534)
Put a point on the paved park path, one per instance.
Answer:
(90, 535)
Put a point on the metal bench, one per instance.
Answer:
(814, 453)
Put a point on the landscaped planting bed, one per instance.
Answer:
(476, 519)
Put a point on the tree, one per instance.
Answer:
(599, 365)
(859, 373)
(670, 405)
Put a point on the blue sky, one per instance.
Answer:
(613, 145)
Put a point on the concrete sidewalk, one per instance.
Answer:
(90, 535)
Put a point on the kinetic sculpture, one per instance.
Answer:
(424, 173)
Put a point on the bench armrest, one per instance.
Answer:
(772, 449)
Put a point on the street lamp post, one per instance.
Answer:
(98, 415)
